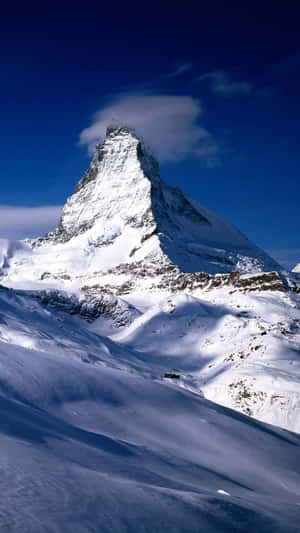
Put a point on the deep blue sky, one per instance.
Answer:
(61, 64)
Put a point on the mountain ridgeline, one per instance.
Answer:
(123, 193)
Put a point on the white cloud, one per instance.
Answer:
(19, 222)
(221, 83)
(169, 124)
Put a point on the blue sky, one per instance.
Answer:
(213, 89)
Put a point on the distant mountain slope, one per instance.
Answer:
(296, 269)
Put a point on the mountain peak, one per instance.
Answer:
(121, 146)
(115, 190)
(116, 128)
(122, 212)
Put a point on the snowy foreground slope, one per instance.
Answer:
(92, 442)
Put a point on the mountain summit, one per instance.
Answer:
(114, 192)
(122, 206)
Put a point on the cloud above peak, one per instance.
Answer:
(222, 83)
(169, 124)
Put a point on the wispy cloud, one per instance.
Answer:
(288, 257)
(169, 124)
(19, 222)
(222, 83)
(180, 69)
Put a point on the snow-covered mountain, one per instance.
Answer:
(122, 219)
(117, 329)
(122, 204)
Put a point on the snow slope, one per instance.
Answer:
(89, 442)
(296, 269)
(238, 349)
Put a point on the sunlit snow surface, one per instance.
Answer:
(91, 441)
(296, 269)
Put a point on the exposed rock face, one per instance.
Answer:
(266, 281)
(88, 307)
(172, 280)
